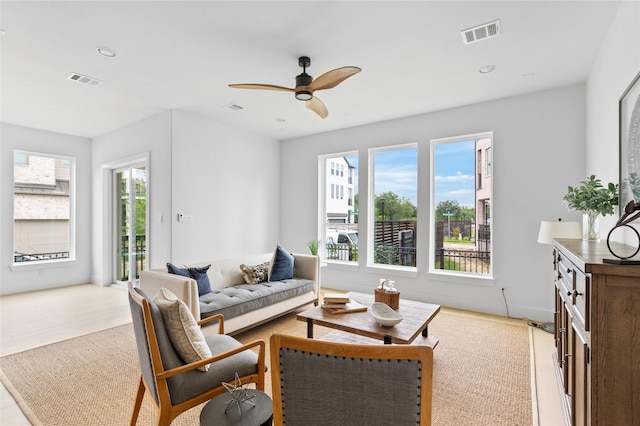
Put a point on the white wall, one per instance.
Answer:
(614, 69)
(38, 277)
(150, 137)
(228, 181)
(538, 151)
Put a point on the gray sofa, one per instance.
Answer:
(243, 305)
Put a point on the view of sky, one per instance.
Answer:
(454, 165)
(397, 170)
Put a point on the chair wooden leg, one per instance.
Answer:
(164, 417)
(138, 404)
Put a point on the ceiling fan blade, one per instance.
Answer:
(317, 106)
(261, 87)
(332, 78)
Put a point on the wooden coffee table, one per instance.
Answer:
(417, 316)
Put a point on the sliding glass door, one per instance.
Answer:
(130, 204)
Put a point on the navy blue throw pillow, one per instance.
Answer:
(198, 274)
(281, 265)
(201, 277)
(173, 269)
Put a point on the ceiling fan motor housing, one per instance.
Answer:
(302, 81)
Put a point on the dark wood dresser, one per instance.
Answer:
(597, 332)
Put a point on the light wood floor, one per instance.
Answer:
(30, 320)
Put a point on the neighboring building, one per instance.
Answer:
(484, 164)
(41, 207)
(340, 190)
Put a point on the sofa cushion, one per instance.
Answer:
(255, 274)
(197, 273)
(239, 299)
(281, 267)
(182, 328)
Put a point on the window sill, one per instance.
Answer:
(396, 271)
(465, 279)
(337, 264)
(42, 264)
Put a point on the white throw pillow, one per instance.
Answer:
(183, 330)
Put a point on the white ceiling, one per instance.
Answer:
(183, 54)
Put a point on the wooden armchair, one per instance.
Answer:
(319, 382)
(176, 386)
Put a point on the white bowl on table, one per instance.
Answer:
(384, 315)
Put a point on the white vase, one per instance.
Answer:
(591, 226)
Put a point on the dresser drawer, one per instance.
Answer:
(582, 298)
(564, 274)
(576, 286)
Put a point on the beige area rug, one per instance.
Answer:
(482, 375)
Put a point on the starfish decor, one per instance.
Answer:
(239, 394)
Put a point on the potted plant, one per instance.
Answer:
(313, 246)
(593, 200)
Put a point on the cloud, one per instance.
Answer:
(457, 178)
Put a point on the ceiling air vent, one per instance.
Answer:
(481, 32)
(233, 107)
(84, 79)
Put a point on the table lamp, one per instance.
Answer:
(550, 230)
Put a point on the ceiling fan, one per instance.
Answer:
(306, 85)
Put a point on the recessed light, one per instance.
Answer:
(281, 120)
(105, 51)
(2, 32)
(487, 69)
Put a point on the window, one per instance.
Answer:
(394, 184)
(20, 158)
(461, 196)
(43, 213)
(339, 227)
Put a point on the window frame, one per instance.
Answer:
(448, 275)
(371, 208)
(327, 170)
(38, 264)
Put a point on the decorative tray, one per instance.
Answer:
(384, 315)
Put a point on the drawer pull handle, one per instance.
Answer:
(569, 270)
(562, 330)
(574, 293)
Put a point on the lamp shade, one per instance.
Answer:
(558, 229)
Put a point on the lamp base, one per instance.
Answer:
(549, 327)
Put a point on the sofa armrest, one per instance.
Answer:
(307, 266)
(185, 289)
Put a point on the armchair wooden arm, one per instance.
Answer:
(212, 318)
